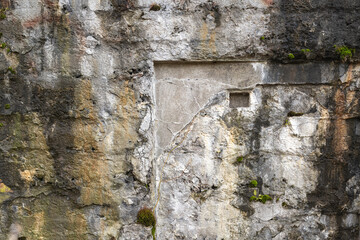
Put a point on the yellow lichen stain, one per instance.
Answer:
(27, 134)
(208, 40)
(339, 142)
(203, 36)
(38, 223)
(4, 192)
(64, 40)
(95, 182)
(4, 188)
(212, 42)
(27, 176)
(351, 101)
(349, 74)
(323, 125)
(127, 109)
(92, 171)
(77, 225)
(51, 217)
(83, 100)
(89, 166)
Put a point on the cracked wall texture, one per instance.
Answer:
(112, 107)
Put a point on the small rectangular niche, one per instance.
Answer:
(239, 99)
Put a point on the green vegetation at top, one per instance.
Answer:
(291, 56)
(344, 52)
(3, 13)
(305, 50)
(253, 183)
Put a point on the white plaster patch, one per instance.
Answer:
(303, 126)
(91, 44)
(261, 68)
(145, 124)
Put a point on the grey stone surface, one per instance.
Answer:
(114, 107)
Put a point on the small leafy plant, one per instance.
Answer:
(261, 198)
(344, 52)
(287, 122)
(305, 50)
(1, 125)
(10, 69)
(253, 183)
(3, 45)
(291, 56)
(262, 38)
(239, 159)
(7, 106)
(3, 13)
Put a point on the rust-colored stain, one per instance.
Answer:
(212, 42)
(349, 75)
(203, 35)
(340, 135)
(208, 40)
(268, 2)
(5, 3)
(45, 18)
(41, 19)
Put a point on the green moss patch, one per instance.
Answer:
(146, 217)
(253, 183)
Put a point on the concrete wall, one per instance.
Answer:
(109, 107)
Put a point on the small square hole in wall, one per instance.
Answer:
(239, 99)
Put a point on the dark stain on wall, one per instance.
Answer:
(313, 24)
(338, 163)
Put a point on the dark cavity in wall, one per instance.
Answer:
(239, 99)
(123, 4)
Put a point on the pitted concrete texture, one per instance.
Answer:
(183, 89)
(110, 106)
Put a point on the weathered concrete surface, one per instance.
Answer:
(91, 113)
(290, 157)
(182, 89)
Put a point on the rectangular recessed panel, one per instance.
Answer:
(239, 99)
(183, 89)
